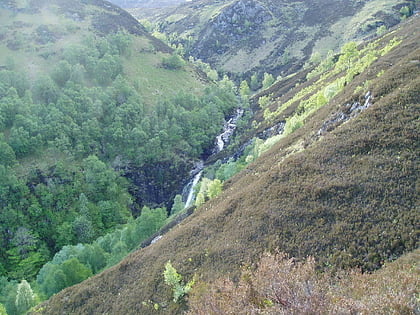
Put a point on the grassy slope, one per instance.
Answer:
(348, 199)
(142, 66)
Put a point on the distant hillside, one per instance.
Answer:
(126, 4)
(242, 37)
(340, 184)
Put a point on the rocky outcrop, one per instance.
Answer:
(156, 184)
(350, 110)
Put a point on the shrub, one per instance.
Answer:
(174, 280)
(174, 62)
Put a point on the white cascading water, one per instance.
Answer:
(221, 140)
(190, 197)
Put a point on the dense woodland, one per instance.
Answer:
(87, 118)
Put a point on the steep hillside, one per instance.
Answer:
(341, 186)
(242, 37)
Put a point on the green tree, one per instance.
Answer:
(75, 271)
(381, 30)
(107, 69)
(25, 297)
(54, 281)
(244, 90)
(215, 188)
(7, 155)
(227, 84)
(83, 229)
(93, 256)
(8, 294)
(150, 221)
(200, 199)
(178, 205)
(405, 11)
(212, 74)
(25, 241)
(61, 73)
(45, 90)
(268, 80)
(254, 82)
(10, 105)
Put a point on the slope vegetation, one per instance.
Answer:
(345, 194)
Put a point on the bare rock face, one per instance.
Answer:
(241, 22)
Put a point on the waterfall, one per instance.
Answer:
(193, 183)
(228, 130)
(219, 144)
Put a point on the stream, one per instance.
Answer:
(188, 191)
(220, 143)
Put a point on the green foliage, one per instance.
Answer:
(61, 73)
(2, 310)
(350, 63)
(7, 155)
(45, 90)
(64, 135)
(178, 205)
(406, 11)
(214, 188)
(83, 229)
(254, 82)
(227, 84)
(174, 280)
(174, 62)
(264, 101)
(73, 264)
(150, 221)
(208, 190)
(57, 275)
(268, 80)
(381, 30)
(25, 297)
(244, 90)
(8, 291)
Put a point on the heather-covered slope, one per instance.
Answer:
(347, 196)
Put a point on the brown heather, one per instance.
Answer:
(280, 285)
(349, 199)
